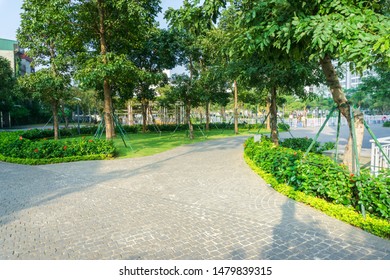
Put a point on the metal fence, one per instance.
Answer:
(378, 160)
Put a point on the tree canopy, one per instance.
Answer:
(7, 84)
(348, 31)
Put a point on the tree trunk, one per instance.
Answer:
(274, 117)
(178, 115)
(108, 117)
(130, 113)
(62, 108)
(223, 114)
(342, 102)
(235, 107)
(144, 106)
(267, 114)
(188, 103)
(54, 108)
(188, 117)
(207, 116)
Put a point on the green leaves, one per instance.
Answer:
(45, 85)
(320, 176)
(45, 27)
(354, 31)
(15, 145)
(7, 84)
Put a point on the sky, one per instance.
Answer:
(10, 16)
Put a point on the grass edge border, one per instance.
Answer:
(44, 161)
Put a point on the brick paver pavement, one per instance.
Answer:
(194, 202)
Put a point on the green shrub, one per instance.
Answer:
(386, 124)
(320, 176)
(283, 127)
(327, 146)
(303, 144)
(34, 134)
(14, 145)
(372, 224)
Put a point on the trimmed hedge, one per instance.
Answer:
(320, 176)
(183, 127)
(40, 161)
(374, 225)
(34, 134)
(303, 144)
(18, 149)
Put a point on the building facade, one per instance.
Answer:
(20, 62)
(21, 65)
(348, 80)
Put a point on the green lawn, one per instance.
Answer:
(139, 144)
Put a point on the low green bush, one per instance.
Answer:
(30, 161)
(34, 134)
(90, 130)
(283, 127)
(14, 145)
(320, 176)
(303, 144)
(372, 224)
(386, 124)
(183, 127)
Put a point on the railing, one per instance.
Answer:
(378, 160)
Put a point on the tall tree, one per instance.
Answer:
(49, 88)
(348, 31)
(7, 84)
(158, 52)
(268, 71)
(274, 72)
(213, 80)
(212, 89)
(45, 31)
(190, 23)
(185, 92)
(110, 31)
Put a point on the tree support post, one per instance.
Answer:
(336, 156)
(319, 132)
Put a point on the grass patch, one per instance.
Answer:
(147, 144)
(138, 144)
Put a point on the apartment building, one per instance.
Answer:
(20, 62)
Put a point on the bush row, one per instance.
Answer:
(386, 124)
(372, 224)
(34, 134)
(319, 176)
(182, 127)
(15, 145)
(302, 144)
(30, 161)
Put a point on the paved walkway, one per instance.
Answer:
(329, 134)
(195, 202)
